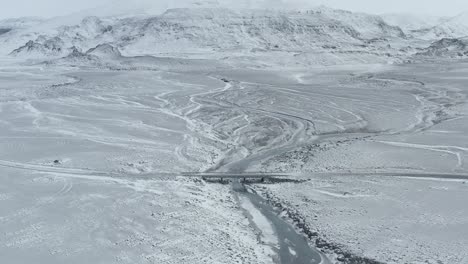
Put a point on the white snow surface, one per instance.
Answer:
(390, 219)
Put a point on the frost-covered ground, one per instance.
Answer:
(66, 218)
(396, 195)
(82, 160)
(90, 157)
(388, 218)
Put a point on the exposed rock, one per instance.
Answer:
(50, 47)
(446, 48)
(4, 30)
(104, 51)
(455, 27)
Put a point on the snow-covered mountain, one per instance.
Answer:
(369, 26)
(13, 32)
(455, 27)
(317, 36)
(48, 47)
(410, 22)
(195, 30)
(18, 23)
(446, 48)
(101, 55)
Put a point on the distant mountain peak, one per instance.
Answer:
(50, 47)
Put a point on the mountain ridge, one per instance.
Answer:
(216, 29)
(323, 34)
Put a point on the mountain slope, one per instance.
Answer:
(208, 30)
(455, 27)
(369, 26)
(49, 47)
(18, 23)
(410, 22)
(446, 48)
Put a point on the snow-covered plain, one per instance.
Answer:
(99, 120)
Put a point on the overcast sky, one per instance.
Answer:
(48, 8)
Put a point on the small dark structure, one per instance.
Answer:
(226, 177)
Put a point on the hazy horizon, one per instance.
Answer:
(53, 8)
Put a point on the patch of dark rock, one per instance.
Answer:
(4, 30)
(283, 180)
(329, 47)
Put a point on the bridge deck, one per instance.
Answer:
(227, 175)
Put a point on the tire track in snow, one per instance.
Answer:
(452, 150)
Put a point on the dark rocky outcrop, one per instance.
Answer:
(446, 48)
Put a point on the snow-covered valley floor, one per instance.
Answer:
(90, 160)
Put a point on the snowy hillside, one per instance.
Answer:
(109, 57)
(369, 26)
(208, 30)
(446, 48)
(410, 22)
(318, 36)
(48, 47)
(18, 23)
(105, 51)
(454, 27)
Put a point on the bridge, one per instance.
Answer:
(229, 176)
